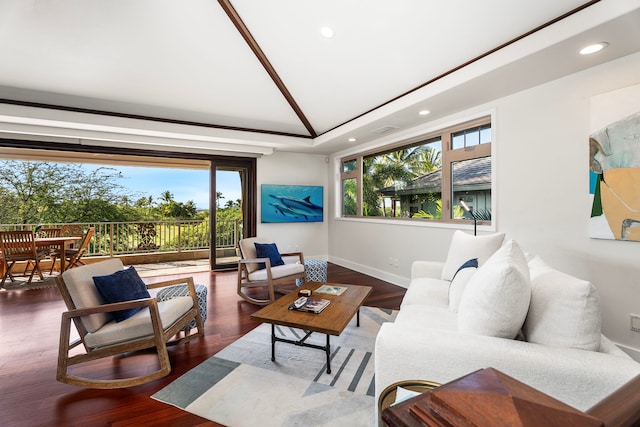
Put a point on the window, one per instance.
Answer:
(425, 178)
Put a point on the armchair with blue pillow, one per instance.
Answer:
(263, 266)
(114, 314)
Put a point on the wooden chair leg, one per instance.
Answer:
(53, 263)
(7, 272)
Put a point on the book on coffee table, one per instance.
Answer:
(314, 305)
(331, 289)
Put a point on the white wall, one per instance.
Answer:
(295, 169)
(542, 195)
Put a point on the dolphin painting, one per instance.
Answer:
(282, 209)
(302, 207)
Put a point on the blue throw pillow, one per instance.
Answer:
(123, 285)
(268, 250)
(472, 263)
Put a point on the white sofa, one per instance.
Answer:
(552, 342)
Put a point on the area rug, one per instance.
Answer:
(241, 386)
(21, 284)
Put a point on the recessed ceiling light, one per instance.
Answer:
(352, 140)
(593, 48)
(424, 112)
(326, 32)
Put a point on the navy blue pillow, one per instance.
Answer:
(473, 263)
(268, 250)
(123, 285)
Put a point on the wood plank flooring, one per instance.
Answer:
(29, 333)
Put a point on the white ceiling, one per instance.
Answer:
(187, 62)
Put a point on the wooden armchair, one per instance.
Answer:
(20, 246)
(103, 337)
(250, 275)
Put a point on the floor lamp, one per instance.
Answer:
(470, 210)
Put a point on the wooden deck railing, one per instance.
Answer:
(129, 238)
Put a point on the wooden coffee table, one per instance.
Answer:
(331, 321)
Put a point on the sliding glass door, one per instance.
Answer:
(233, 212)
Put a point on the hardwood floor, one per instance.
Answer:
(30, 326)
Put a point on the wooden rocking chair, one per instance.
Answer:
(251, 276)
(103, 337)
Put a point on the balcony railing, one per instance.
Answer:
(123, 238)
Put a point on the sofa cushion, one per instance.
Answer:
(121, 286)
(426, 291)
(564, 310)
(459, 282)
(426, 316)
(465, 247)
(496, 299)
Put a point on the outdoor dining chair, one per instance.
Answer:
(74, 255)
(20, 246)
(50, 232)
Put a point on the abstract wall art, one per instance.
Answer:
(292, 203)
(614, 165)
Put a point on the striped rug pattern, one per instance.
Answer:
(241, 386)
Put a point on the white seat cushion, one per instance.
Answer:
(426, 291)
(139, 325)
(465, 247)
(277, 272)
(496, 299)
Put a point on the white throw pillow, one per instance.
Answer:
(459, 283)
(465, 247)
(564, 310)
(496, 299)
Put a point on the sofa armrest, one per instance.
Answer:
(578, 378)
(429, 269)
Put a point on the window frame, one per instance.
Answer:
(449, 156)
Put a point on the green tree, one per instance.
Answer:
(41, 192)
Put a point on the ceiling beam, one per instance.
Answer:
(253, 45)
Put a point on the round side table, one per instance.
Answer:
(388, 395)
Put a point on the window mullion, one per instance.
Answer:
(446, 176)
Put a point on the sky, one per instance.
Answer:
(184, 184)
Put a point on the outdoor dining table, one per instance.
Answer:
(60, 242)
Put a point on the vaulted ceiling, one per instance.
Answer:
(259, 73)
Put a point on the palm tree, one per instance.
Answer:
(402, 166)
(166, 196)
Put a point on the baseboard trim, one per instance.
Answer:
(365, 269)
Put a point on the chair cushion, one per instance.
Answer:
(248, 250)
(79, 283)
(564, 310)
(277, 272)
(139, 325)
(465, 247)
(268, 250)
(123, 285)
(496, 299)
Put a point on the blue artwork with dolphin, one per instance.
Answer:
(292, 203)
